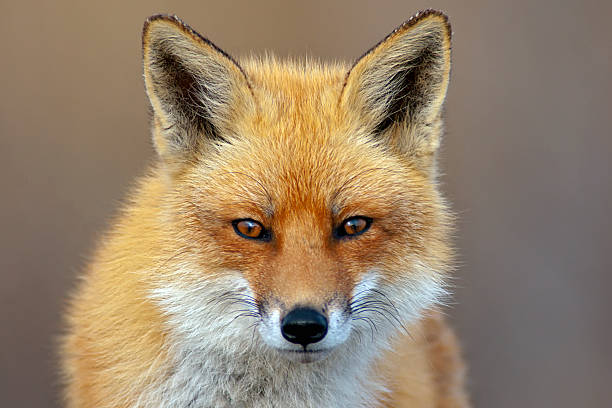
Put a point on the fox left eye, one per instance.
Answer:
(353, 226)
(248, 228)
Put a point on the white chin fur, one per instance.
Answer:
(306, 357)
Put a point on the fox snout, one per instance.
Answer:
(304, 326)
(305, 331)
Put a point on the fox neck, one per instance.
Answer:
(216, 365)
(210, 377)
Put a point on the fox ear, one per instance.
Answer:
(194, 87)
(399, 85)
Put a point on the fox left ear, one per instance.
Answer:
(196, 89)
(399, 85)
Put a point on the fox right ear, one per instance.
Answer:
(399, 86)
(194, 87)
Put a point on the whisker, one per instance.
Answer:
(367, 320)
(376, 301)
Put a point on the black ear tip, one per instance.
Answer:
(429, 12)
(417, 18)
(170, 18)
(149, 22)
(425, 15)
(185, 28)
(173, 20)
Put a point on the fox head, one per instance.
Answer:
(300, 208)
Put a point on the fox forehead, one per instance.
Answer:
(299, 143)
(307, 172)
(297, 108)
(297, 95)
(275, 183)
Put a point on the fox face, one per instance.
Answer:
(300, 206)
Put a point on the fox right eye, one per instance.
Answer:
(250, 229)
(353, 226)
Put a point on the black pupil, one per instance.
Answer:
(250, 225)
(354, 226)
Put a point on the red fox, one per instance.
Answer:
(290, 246)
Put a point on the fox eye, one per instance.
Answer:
(251, 229)
(353, 226)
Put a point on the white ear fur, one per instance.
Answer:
(194, 87)
(400, 84)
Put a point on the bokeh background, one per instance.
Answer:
(527, 163)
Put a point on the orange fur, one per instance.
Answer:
(290, 145)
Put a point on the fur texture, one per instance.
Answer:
(178, 310)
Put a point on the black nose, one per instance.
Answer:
(304, 326)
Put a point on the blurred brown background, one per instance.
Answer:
(526, 162)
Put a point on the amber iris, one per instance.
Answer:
(355, 226)
(249, 228)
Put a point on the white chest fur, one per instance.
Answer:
(216, 379)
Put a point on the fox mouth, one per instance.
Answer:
(305, 355)
(304, 351)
